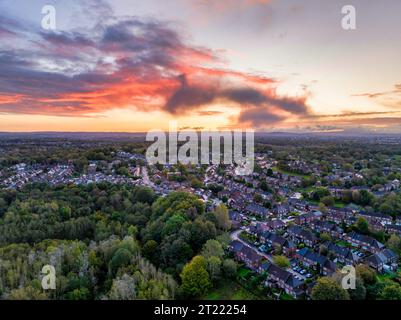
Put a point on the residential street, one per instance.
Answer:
(235, 236)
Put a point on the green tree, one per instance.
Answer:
(229, 268)
(222, 217)
(394, 243)
(214, 267)
(195, 278)
(324, 236)
(359, 293)
(365, 273)
(281, 261)
(327, 201)
(391, 291)
(121, 258)
(150, 250)
(27, 293)
(328, 289)
(362, 225)
(212, 248)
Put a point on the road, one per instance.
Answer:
(235, 236)
(145, 177)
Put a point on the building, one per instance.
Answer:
(278, 277)
(245, 254)
(385, 260)
(316, 261)
(365, 242)
(298, 235)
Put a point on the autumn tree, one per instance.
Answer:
(195, 278)
(328, 289)
(222, 217)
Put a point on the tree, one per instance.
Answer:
(322, 207)
(319, 193)
(263, 186)
(366, 198)
(123, 288)
(323, 250)
(150, 250)
(365, 273)
(394, 243)
(359, 293)
(144, 195)
(391, 291)
(214, 268)
(328, 289)
(327, 201)
(324, 236)
(281, 261)
(27, 293)
(195, 278)
(229, 268)
(222, 217)
(79, 294)
(212, 248)
(362, 225)
(257, 198)
(121, 258)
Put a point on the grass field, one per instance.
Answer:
(230, 290)
(290, 173)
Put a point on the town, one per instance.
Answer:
(292, 222)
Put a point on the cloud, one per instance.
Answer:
(209, 113)
(259, 117)
(397, 90)
(348, 114)
(188, 97)
(127, 62)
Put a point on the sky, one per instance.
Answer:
(134, 65)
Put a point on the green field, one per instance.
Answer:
(230, 290)
(290, 173)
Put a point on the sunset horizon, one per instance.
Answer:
(125, 66)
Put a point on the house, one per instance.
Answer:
(298, 235)
(326, 227)
(282, 279)
(281, 210)
(245, 254)
(235, 215)
(316, 261)
(377, 226)
(342, 254)
(300, 205)
(308, 217)
(275, 224)
(373, 217)
(394, 228)
(274, 240)
(385, 260)
(365, 242)
(256, 209)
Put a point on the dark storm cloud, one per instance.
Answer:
(188, 97)
(259, 117)
(124, 61)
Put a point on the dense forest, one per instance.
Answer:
(109, 242)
